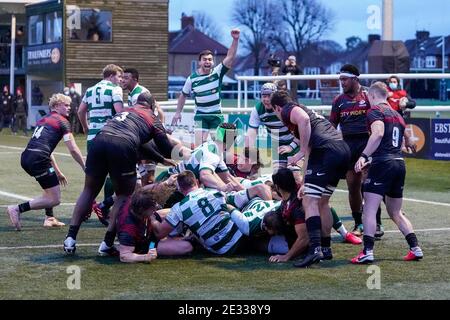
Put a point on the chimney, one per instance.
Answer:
(422, 35)
(373, 37)
(186, 21)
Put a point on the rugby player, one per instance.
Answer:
(293, 215)
(135, 233)
(100, 103)
(205, 213)
(386, 176)
(38, 161)
(207, 162)
(206, 86)
(349, 113)
(327, 160)
(114, 151)
(283, 144)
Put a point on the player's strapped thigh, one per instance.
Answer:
(238, 199)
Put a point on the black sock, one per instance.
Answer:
(357, 216)
(379, 216)
(369, 242)
(24, 207)
(314, 225)
(325, 242)
(109, 238)
(108, 202)
(49, 212)
(73, 231)
(412, 240)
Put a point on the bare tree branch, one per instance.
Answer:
(257, 19)
(305, 21)
(204, 23)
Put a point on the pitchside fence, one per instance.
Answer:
(432, 135)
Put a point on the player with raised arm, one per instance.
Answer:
(206, 85)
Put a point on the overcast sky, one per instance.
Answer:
(351, 17)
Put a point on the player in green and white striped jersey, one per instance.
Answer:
(207, 162)
(206, 84)
(130, 82)
(204, 157)
(250, 219)
(101, 102)
(205, 213)
(283, 144)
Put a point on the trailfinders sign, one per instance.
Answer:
(44, 58)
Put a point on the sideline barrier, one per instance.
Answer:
(431, 135)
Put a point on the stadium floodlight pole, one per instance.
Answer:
(13, 54)
(388, 20)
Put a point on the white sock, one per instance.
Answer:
(342, 231)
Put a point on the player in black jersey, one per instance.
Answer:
(349, 111)
(327, 160)
(114, 151)
(37, 160)
(386, 175)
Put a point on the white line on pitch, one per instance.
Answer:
(14, 196)
(22, 149)
(20, 197)
(413, 200)
(51, 246)
(56, 246)
(60, 205)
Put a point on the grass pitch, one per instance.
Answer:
(33, 265)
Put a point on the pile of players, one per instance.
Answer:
(213, 197)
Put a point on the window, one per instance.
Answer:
(36, 30)
(90, 25)
(193, 66)
(418, 62)
(446, 62)
(53, 27)
(430, 62)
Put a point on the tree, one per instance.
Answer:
(204, 23)
(304, 22)
(257, 18)
(353, 42)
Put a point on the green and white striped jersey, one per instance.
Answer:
(206, 215)
(247, 183)
(100, 100)
(206, 89)
(260, 116)
(250, 220)
(205, 156)
(133, 95)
